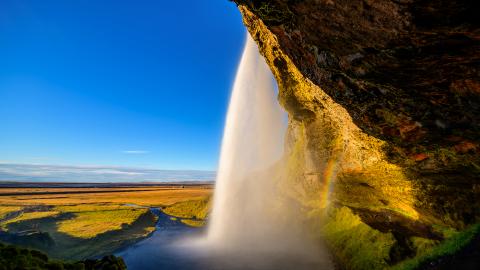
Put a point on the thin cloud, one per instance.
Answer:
(68, 173)
(135, 152)
(39, 158)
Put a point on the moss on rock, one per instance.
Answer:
(364, 152)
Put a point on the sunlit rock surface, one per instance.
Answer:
(384, 105)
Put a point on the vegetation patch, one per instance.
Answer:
(192, 209)
(7, 209)
(149, 197)
(448, 247)
(355, 243)
(88, 224)
(30, 216)
(76, 208)
(358, 246)
(12, 257)
(80, 225)
(193, 222)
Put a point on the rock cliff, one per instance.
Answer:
(383, 98)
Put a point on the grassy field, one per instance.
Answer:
(7, 209)
(88, 224)
(192, 212)
(28, 216)
(93, 221)
(144, 196)
(196, 209)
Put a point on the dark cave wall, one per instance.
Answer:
(385, 95)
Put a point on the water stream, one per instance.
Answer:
(161, 250)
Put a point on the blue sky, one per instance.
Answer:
(116, 83)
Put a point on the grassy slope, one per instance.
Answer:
(88, 245)
(29, 216)
(192, 212)
(6, 209)
(90, 223)
(89, 220)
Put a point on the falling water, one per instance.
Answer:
(253, 141)
(248, 218)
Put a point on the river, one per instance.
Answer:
(160, 250)
(174, 246)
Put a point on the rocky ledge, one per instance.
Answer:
(384, 105)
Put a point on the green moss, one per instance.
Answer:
(358, 246)
(449, 247)
(447, 232)
(422, 245)
(354, 243)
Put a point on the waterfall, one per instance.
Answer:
(252, 142)
(252, 225)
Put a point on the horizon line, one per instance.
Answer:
(95, 166)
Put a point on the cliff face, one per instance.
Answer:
(384, 105)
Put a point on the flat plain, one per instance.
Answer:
(72, 221)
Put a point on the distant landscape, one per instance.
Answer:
(75, 221)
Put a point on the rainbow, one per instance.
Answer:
(330, 172)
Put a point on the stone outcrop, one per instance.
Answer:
(383, 99)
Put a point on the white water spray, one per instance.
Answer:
(252, 142)
(251, 220)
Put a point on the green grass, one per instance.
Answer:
(95, 224)
(193, 223)
(76, 248)
(84, 230)
(29, 216)
(192, 209)
(192, 213)
(6, 209)
(89, 207)
(88, 224)
(89, 219)
(448, 247)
